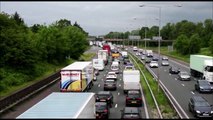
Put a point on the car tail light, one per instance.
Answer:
(139, 98)
(105, 110)
(108, 98)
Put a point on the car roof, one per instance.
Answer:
(111, 73)
(104, 92)
(199, 98)
(110, 80)
(131, 110)
(100, 103)
(133, 91)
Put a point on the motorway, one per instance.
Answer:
(181, 90)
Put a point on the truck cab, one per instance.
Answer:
(208, 71)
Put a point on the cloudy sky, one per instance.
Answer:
(99, 18)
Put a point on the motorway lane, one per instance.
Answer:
(119, 96)
(181, 90)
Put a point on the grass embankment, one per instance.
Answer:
(167, 110)
(47, 69)
(175, 54)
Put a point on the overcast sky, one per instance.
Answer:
(99, 18)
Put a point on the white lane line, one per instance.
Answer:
(120, 79)
(116, 105)
(118, 93)
(119, 85)
(180, 64)
(170, 74)
(182, 84)
(99, 85)
(192, 92)
(175, 78)
(165, 70)
(104, 74)
(102, 79)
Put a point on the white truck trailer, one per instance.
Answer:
(202, 66)
(98, 64)
(59, 105)
(77, 77)
(103, 54)
(131, 79)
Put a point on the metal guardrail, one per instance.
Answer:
(155, 101)
(15, 98)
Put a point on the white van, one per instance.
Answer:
(98, 64)
(115, 67)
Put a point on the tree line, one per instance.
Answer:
(23, 49)
(188, 37)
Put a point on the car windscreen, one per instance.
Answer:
(184, 74)
(100, 107)
(201, 104)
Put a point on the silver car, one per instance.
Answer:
(184, 76)
(165, 63)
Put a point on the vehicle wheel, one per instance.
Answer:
(189, 109)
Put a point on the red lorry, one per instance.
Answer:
(107, 47)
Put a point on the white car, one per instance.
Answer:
(111, 75)
(138, 53)
(165, 63)
(135, 49)
(153, 64)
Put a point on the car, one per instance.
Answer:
(126, 61)
(115, 67)
(135, 48)
(165, 63)
(104, 96)
(155, 58)
(138, 53)
(174, 70)
(153, 64)
(147, 60)
(165, 58)
(143, 57)
(102, 110)
(111, 75)
(131, 113)
(116, 60)
(96, 71)
(200, 107)
(129, 67)
(110, 84)
(183, 75)
(133, 97)
(203, 86)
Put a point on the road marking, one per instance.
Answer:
(116, 105)
(182, 84)
(104, 74)
(118, 93)
(119, 85)
(192, 92)
(175, 78)
(102, 79)
(120, 79)
(170, 74)
(99, 85)
(165, 70)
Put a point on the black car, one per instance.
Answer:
(133, 97)
(174, 70)
(105, 96)
(155, 58)
(200, 107)
(110, 84)
(126, 61)
(102, 110)
(131, 113)
(203, 86)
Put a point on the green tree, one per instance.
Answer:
(181, 44)
(194, 44)
(211, 44)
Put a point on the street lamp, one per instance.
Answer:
(159, 7)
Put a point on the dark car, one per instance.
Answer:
(126, 61)
(131, 113)
(200, 107)
(133, 97)
(203, 86)
(147, 60)
(105, 96)
(184, 76)
(155, 58)
(110, 84)
(102, 110)
(174, 70)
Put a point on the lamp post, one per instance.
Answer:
(159, 7)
